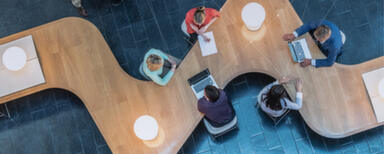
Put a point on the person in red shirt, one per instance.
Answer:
(199, 19)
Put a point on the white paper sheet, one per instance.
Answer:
(374, 83)
(207, 48)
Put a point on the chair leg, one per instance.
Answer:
(212, 137)
(6, 108)
(189, 41)
(6, 113)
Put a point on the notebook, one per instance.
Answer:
(207, 48)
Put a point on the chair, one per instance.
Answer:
(184, 28)
(142, 73)
(188, 36)
(4, 112)
(343, 38)
(276, 120)
(215, 132)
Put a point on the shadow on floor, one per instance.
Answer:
(51, 121)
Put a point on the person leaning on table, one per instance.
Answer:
(274, 98)
(327, 36)
(199, 19)
(158, 66)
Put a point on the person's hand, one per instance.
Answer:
(299, 85)
(173, 67)
(206, 39)
(284, 79)
(172, 61)
(305, 62)
(288, 37)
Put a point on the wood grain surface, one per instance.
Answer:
(74, 56)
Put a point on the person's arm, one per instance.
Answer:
(193, 27)
(200, 107)
(161, 81)
(204, 29)
(327, 61)
(307, 27)
(199, 32)
(299, 97)
(298, 104)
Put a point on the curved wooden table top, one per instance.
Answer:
(74, 56)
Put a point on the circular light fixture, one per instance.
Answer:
(14, 58)
(253, 15)
(381, 88)
(146, 127)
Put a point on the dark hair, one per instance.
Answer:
(322, 31)
(199, 15)
(272, 98)
(212, 93)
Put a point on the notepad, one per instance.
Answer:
(207, 48)
(374, 83)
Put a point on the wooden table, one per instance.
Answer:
(74, 56)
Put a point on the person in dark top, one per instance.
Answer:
(215, 106)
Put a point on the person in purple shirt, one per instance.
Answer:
(216, 107)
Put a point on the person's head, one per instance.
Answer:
(211, 93)
(199, 16)
(322, 33)
(274, 95)
(154, 62)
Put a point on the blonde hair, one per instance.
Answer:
(199, 15)
(322, 31)
(154, 62)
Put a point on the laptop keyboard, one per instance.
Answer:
(299, 51)
(202, 84)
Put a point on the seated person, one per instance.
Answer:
(215, 106)
(158, 66)
(328, 38)
(199, 19)
(275, 100)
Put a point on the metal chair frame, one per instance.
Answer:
(6, 113)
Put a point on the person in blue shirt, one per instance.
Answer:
(158, 66)
(328, 38)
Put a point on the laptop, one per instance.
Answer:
(299, 50)
(199, 81)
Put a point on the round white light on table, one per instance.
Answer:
(14, 58)
(253, 15)
(146, 127)
(381, 88)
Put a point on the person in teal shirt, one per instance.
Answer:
(158, 66)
